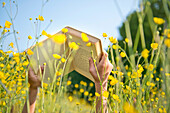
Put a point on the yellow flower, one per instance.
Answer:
(145, 53)
(151, 66)
(128, 108)
(158, 21)
(23, 92)
(56, 56)
(73, 45)
(106, 94)
(91, 84)
(167, 32)
(29, 52)
(25, 63)
(63, 60)
(154, 46)
(58, 73)
(86, 93)
(115, 97)
(58, 38)
(126, 40)
(167, 42)
(126, 67)
(113, 40)
(70, 98)
(8, 24)
(29, 37)
(1, 27)
(64, 30)
(39, 110)
(76, 85)
(30, 18)
(77, 103)
(41, 18)
(44, 33)
(84, 37)
(114, 46)
(113, 81)
(2, 65)
(81, 90)
(122, 54)
(97, 94)
(11, 44)
(4, 31)
(88, 44)
(104, 35)
(68, 83)
(157, 79)
(3, 4)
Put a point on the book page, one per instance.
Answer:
(43, 53)
(81, 59)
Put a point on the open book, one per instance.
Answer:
(43, 53)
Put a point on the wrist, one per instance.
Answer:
(99, 86)
(33, 88)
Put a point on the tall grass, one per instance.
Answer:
(139, 82)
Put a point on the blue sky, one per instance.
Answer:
(91, 16)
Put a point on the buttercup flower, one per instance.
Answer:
(97, 94)
(64, 30)
(44, 33)
(8, 24)
(84, 37)
(154, 46)
(167, 32)
(11, 44)
(114, 46)
(3, 4)
(41, 18)
(29, 52)
(29, 37)
(122, 54)
(70, 98)
(167, 42)
(59, 38)
(88, 44)
(126, 40)
(63, 60)
(86, 93)
(158, 21)
(73, 45)
(68, 83)
(113, 40)
(56, 56)
(145, 53)
(76, 85)
(106, 94)
(104, 35)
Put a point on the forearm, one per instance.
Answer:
(32, 100)
(99, 99)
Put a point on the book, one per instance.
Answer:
(79, 61)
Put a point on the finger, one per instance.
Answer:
(30, 72)
(102, 63)
(41, 71)
(91, 63)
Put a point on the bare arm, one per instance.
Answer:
(104, 68)
(35, 82)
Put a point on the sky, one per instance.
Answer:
(90, 16)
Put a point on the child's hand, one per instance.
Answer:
(34, 79)
(104, 68)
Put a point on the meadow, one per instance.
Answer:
(139, 81)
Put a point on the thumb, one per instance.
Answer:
(40, 71)
(91, 63)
